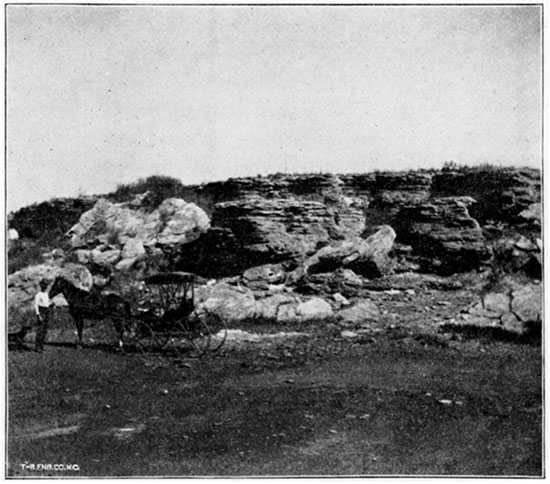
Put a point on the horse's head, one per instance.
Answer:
(58, 286)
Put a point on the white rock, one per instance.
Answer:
(276, 288)
(341, 300)
(533, 212)
(125, 264)
(527, 302)
(496, 302)
(315, 309)
(525, 244)
(268, 308)
(133, 248)
(233, 304)
(79, 275)
(359, 313)
(287, 313)
(174, 222)
(105, 258)
(511, 323)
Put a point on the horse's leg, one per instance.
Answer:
(122, 321)
(77, 316)
(119, 328)
(79, 327)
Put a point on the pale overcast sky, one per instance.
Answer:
(98, 96)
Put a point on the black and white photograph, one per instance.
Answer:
(252, 240)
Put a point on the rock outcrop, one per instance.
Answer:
(443, 231)
(387, 193)
(276, 229)
(288, 218)
(272, 230)
(501, 193)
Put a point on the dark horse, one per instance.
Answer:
(93, 305)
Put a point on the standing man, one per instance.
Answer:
(42, 310)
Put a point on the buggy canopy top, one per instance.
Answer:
(170, 278)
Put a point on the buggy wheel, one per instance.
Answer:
(216, 326)
(150, 340)
(190, 337)
(205, 331)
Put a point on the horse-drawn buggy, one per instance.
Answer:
(162, 314)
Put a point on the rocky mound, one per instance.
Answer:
(279, 243)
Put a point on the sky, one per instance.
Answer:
(99, 96)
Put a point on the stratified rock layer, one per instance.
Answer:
(287, 218)
(443, 231)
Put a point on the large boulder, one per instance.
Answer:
(230, 302)
(117, 235)
(24, 284)
(237, 303)
(276, 307)
(174, 222)
(360, 313)
(368, 257)
(315, 309)
(179, 222)
(527, 303)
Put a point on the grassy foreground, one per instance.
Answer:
(310, 405)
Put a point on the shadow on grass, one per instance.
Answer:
(105, 347)
(127, 350)
(531, 336)
(19, 347)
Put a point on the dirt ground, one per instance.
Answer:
(412, 395)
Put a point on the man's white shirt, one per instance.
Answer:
(41, 300)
